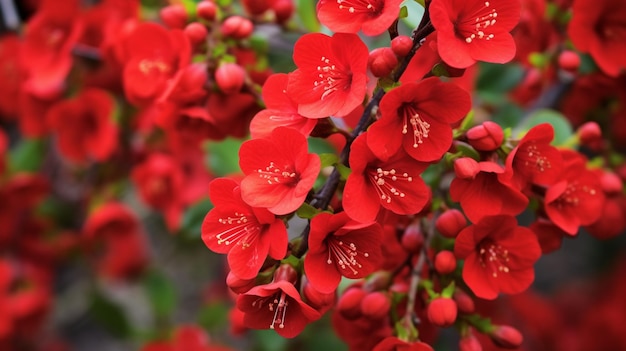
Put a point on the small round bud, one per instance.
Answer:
(401, 45)
(283, 10)
(590, 135)
(442, 312)
(485, 137)
(206, 10)
(320, 301)
(506, 337)
(466, 168)
(445, 262)
(285, 272)
(237, 27)
(375, 305)
(196, 33)
(349, 304)
(413, 238)
(464, 302)
(382, 61)
(256, 7)
(469, 343)
(611, 183)
(237, 285)
(230, 78)
(174, 16)
(450, 223)
(569, 61)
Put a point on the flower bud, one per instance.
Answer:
(466, 168)
(283, 10)
(506, 337)
(464, 302)
(206, 10)
(322, 302)
(349, 304)
(382, 61)
(569, 61)
(196, 33)
(237, 285)
(450, 223)
(286, 273)
(611, 183)
(445, 262)
(590, 135)
(442, 312)
(401, 45)
(413, 238)
(485, 137)
(174, 16)
(237, 27)
(469, 343)
(230, 78)
(256, 7)
(375, 305)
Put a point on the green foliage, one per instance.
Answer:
(161, 293)
(193, 217)
(27, 155)
(110, 315)
(308, 15)
(562, 128)
(223, 156)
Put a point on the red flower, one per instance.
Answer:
(392, 343)
(280, 111)
(152, 56)
(349, 16)
(484, 194)
(499, 256)
(394, 184)
(576, 198)
(246, 233)
(279, 171)
(276, 306)
(418, 117)
(84, 126)
(597, 27)
(331, 76)
(11, 75)
(534, 160)
(474, 30)
(340, 246)
(160, 181)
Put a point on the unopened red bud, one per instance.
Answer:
(283, 10)
(485, 137)
(237, 285)
(382, 61)
(196, 33)
(466, 168)
(611, 183)
(206, 10)
(464, 302)
(174, 16)
(590, 135)
(506, 337)
(230, 78)
(450, 223)
(256, 7)
(349, 304)
(469, 343)
(375, 305)
(401, 45)
(442, 312)
(285, 272)
(322, 302)
(237, 27)
(445, 262)
(569, 61)
(413, 238)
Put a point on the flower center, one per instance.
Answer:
(276, 175)
(384, 180)
(241, 231)
(345, 255)
(419, 126)
(147, 66)
(533, 158)
(279, 307)
(359, 6)
(330, 79)
(494, 257)
(474, 25)
(570, 195)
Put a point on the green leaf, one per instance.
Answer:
(404, 12)
(562, 128)
(193, 217)
(495, 78)
(161, 293)
(467, 150)
(343, 171)
(110, 315)
(308, 15)
(448, 291)
(307, 211)
(214, 315)
(27, 156)
(224, 156)
(328, 159)
(415, 11)
(269, 340)
(468, 121)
